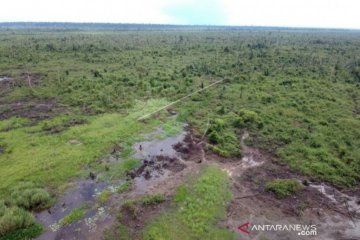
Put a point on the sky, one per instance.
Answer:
(289, 13)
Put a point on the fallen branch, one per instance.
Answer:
(248, 196)
(170, 104)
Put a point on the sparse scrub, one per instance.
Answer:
(125, 187)
(104, 196)
(153, 199)
(61, 123)
(75, 215)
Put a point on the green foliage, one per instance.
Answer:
(119, 169)
(54, 159)
(13, 123)
(223, 139)
(29, 196)
(13, 218)
(60, 123)
(153, 199)
(24, 234)
(247, 119)
(287, 88)
(125, 187)
(119, 232)
(199, 208)
(297, 92)
(132, 207)
(104, 196)
(284, 187)
(172, 127)
(75, 215)
(181, 194)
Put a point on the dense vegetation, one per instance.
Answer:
(296, 91)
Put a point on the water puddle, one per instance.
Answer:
(83, 195)
(5, 78)
(153, 148)
(160, 163)
(251, 157)
(351, 203)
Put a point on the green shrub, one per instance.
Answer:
(61, 123)
(24, 233)
(13, 123)
(284, 187)
(247, 119)
(13, 218)
(75, 215)
(104, 196)
(28, 196)
(214, 138)
(218, 124)
(153, 199)
(222, 138)
(132, 207)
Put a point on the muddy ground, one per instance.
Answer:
(35, 110)
(168, 162)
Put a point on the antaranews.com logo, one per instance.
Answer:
(302, 230)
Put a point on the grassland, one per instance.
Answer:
(198, 209)
(296, 92)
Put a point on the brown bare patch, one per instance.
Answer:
(7, 82)
(155, 165)
(35, 110)
(135, 217)
(251, 202)
(190, 149)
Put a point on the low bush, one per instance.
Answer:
(61, 123)
(247, 119)
(284, 187)
(13, 218)
(24, 233)
(126, 186)
(222, 139)
(153, 199)
(75, 215)
(104, 196)
(29, 196)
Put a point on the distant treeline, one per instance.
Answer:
(132, 26)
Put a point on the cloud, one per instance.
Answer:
(202, 12)
(134, 11)
(296, 13)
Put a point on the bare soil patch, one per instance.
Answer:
(35, 110)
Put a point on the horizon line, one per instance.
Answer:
(179, 25)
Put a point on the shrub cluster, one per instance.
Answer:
(15, 218)
(284, 187)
